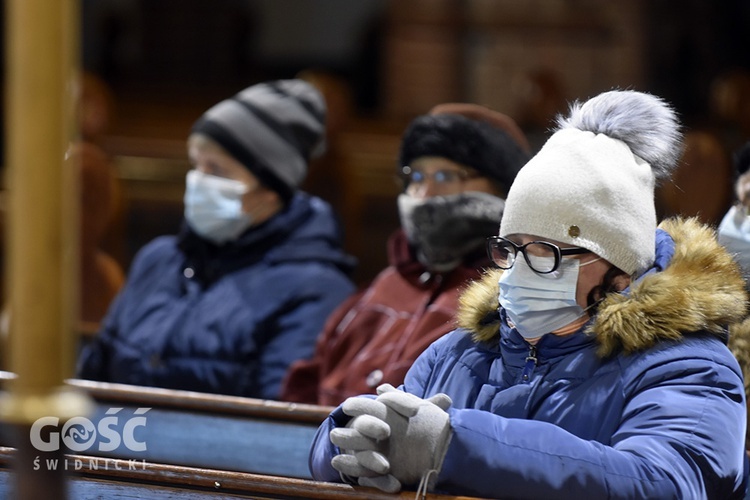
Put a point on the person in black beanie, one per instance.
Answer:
(456, 163)
(244, 289)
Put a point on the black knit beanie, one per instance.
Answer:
(272, 128)
(495, 148)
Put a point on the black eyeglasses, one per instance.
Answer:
(541, 256)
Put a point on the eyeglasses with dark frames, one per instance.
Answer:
(541, 256)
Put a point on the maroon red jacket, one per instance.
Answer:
(374, 337)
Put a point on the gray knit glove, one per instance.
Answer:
(397, 439)
(363, 441)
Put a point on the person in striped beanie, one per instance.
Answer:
(245, 287)
(270, 131)
(272, 128)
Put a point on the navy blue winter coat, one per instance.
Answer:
(647, 401)
(228, 319)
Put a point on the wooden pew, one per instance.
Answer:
(204, 430)
(96, 477)
(198, 446)
(215, 431)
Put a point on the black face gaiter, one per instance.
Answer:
(444, 229)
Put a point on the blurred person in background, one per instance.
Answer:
(245, 287)
(456, 164)
(734, 229)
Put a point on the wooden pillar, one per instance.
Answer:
(41, 57)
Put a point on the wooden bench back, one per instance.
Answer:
(96, 477)
(203, 430)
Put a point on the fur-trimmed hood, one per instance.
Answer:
(700, 289)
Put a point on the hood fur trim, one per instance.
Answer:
(478, 305)
(739, 344)
(701, 289)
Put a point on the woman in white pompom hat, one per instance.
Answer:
(603, 372)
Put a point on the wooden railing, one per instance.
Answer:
(96, 477)
(203, 430)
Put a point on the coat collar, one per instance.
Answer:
(696, 285)
(304, 231)
(402, 257)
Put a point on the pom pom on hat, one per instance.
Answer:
(644, 122)
(272, 128)
(592, 184)
(472, 135)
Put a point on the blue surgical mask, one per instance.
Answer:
(541, 303)
(213, 207)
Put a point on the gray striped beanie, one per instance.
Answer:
(272, 128)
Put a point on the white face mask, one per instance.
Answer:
(213, 206)
(541, 303)
(734, 235)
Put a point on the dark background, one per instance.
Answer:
(381, 62)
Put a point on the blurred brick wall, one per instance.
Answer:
(485, 51)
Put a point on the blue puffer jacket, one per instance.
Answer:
(649, 403)
(227, 319)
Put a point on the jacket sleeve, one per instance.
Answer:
(303, 378)
(94, 358)
(298, 326)
(322, 450)
(681, 435)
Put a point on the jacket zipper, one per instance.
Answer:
(530, 364)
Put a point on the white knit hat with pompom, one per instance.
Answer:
(592, 183)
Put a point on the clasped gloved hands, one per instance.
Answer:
(394, 440)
